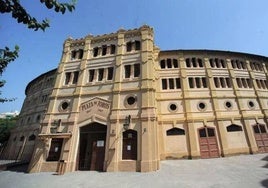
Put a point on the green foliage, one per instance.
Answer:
(5, 126)
(6, 56)
(19, 13)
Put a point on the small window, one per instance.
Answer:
(244, 83)
(127, 71)
(256, 129)
(171, 83)
(169, 65)
(104, 50)
(131, 100)
(91, 75)
(233, 64)
(188, 63)
(75, 78)
(202, 133)
(113, 49)
(211, 62)
(204, 82)
(163, 64)
(202, 106)
(175, 131)
(194, 62)
(81, 53)
(100, 75)
(175, 63)
(137, 45)
(164, 84)
(251, 104)
(129, 46)
(64, 105)
(223, 64)
(136, 70)
(73, 54)
(191, 82)
(216, 82)
(234, 128)
(222, 80)
(32, 137)
(200, 62)
(110, 73)
(228, 105)
(95, 52)
(211, 132)
(249, 82)
(197, 82)
(178, 83)
(228, 82)
(67, 78)
(38, 118)
(238, 80)
(262, 128)
(173, 107)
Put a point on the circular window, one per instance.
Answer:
(64, 106)
(131, 100)
(228, 105)
(251, 104)
(202, 106)
(173, 107)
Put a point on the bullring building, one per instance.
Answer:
(117, 102)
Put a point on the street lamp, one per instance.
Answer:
(127, 122)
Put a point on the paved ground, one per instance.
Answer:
(247, 171)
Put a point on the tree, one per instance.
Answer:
(6, 124)
(19, 13)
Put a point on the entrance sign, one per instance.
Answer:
(94, 107)
(100, 143)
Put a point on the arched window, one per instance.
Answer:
(234, 128)
(32, 137)
(80, 53)
(175, 131)
(38, 118)
(129, 149)
(129, 46)
(21, 138)
(137, 45)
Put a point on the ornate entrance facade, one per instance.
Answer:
(92, 147)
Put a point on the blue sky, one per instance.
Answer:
(240, 25)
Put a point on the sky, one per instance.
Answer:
(240, 26)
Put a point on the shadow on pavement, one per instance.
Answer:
(18, 168)
(265, 182)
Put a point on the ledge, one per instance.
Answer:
(55, 135)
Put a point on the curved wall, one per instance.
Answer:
(22, 139)
(215, 89)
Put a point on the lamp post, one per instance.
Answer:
(127, 122)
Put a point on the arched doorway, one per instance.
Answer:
(261, 137)
(92, 147)
(208, 143)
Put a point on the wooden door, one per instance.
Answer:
(208, 143)
(261, 137)
(98, 154)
